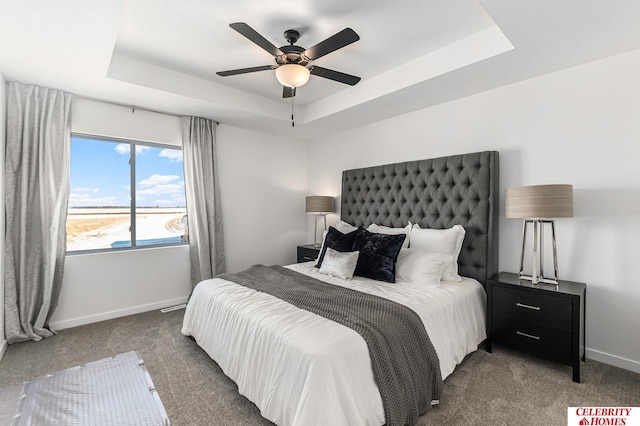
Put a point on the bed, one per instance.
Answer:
(300, 368)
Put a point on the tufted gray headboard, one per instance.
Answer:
(435, 193)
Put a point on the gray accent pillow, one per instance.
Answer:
(339, 264)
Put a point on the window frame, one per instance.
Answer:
(132, 183)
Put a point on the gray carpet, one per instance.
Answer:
(502, 388)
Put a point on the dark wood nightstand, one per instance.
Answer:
(307, 253)
(542, 319)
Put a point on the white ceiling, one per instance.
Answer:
(163, 54)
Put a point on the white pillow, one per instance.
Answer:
(417, 266)
(339, 264)
(378, 229)
(345, 227)
(448, 241)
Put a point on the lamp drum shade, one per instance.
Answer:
(319, 204)
(539, 201)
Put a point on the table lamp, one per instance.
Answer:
(538, 205)
(320, 206)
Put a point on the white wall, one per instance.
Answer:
(263, 182)
(101, 286)
(104, 119)
(3, 103)
(579, 126)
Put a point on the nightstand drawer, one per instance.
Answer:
(307, 253)
(537, 339)
(533, 306)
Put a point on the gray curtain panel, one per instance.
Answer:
(206, 240)
(37, 193)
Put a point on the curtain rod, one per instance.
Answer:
(133, 107)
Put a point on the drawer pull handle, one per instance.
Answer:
(531, 336)
(522, 305)
(308, 258)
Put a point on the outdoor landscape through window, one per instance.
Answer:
(102, 186)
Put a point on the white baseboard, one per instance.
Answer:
(3, 348)
(614, 360)
(89, 319)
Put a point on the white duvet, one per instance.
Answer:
(302, 369)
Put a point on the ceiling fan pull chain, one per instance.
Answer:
(293, 124)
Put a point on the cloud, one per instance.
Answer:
(171, 188)
(162, 197)
(80, 189)
(167, 190)
(164, 203)
(84, 199)
(158, 180)
(125, 148)
(173, 155)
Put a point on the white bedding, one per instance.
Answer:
(302, 369)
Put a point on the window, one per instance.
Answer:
(124, 194)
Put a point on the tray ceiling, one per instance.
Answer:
(412, 54)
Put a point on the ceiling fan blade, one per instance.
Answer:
(255, 37)
(245, 70)
(333, 43)
(338, 76)
(288, 92)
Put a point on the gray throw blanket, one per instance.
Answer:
(405, 364)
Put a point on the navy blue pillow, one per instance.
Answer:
(337, 241)
(378, 255)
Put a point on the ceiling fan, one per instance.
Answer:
(293, 62)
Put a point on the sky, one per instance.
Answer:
(100, 175)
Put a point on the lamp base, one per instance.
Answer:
(537, 261)
(317, 244)
(538, 280)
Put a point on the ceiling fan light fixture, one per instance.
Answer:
(292, 75)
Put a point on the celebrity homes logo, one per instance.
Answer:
(603, 416)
